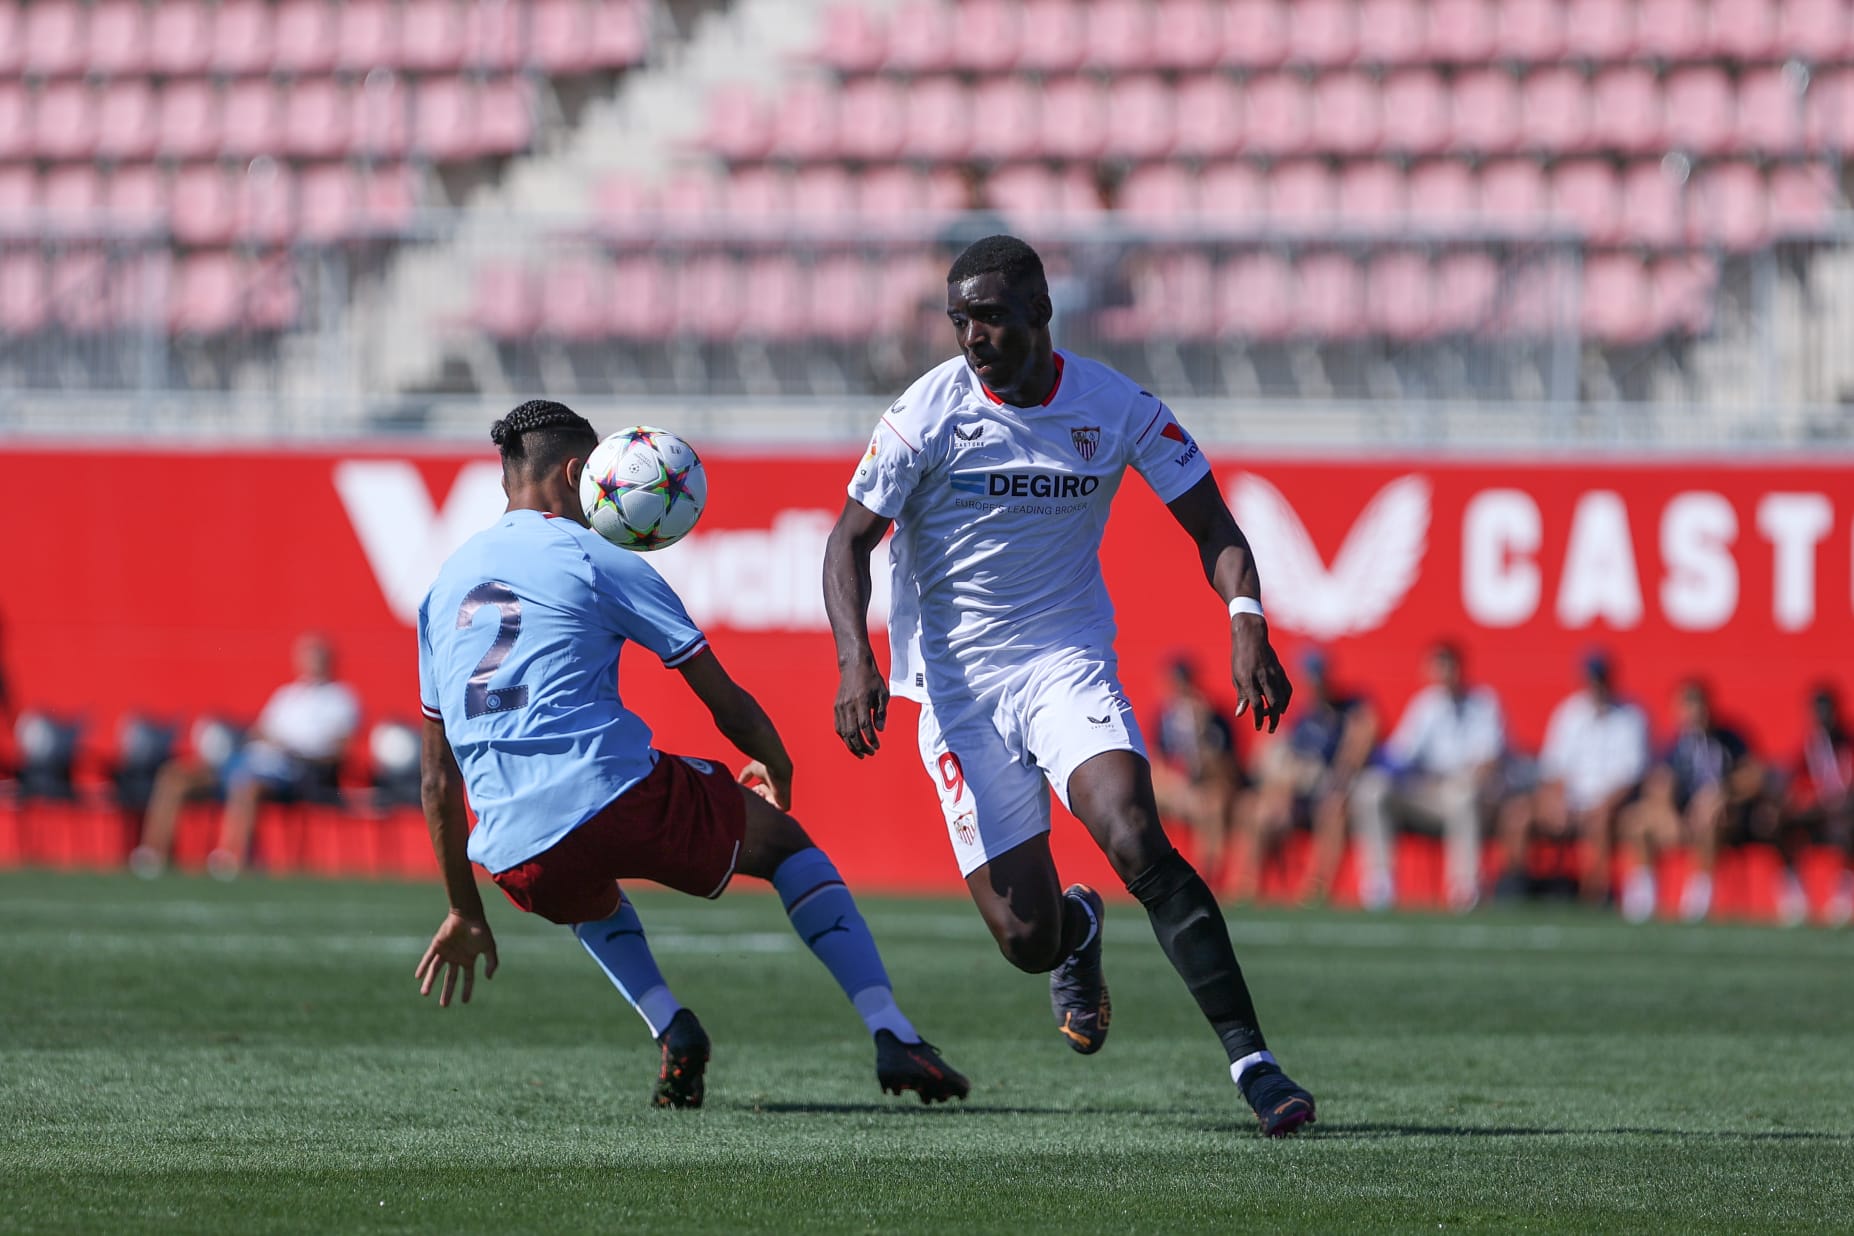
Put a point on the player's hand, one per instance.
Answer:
(454, 950)
(775, 789)
(862, 708)
(1262, 686)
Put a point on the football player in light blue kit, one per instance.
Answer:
(518, 651)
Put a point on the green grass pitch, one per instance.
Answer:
(185, 1056)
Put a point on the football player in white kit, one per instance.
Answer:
(996, 470)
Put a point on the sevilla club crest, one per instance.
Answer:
(1087, 439)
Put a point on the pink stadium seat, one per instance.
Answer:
(1442, 194)
(1700, 111)
(23, 302)
(938, 120)
(575, 301)
(504, 301)
(1233, 193)
(19, 191)
(1074, 114)
(1139, 118)
(1346, 111)
(1461, 31)
(1330, 297)
(641, 290)
(1322, 33)
(71, 191)
(1802, 199)
(139, 292)
(854, 39)
(1277, 118)
(65, 121)
(316, 119)
(1513, 193)
(620, 37)
(1255, 33)
(1627, 100)
(1031, 191)
(504, 115)
(989, 36)
(80, 291)
(250, 120)
(691, 196)
(1653, 210)
(136, 196)
(179, 37)
(241, 37)
(264, 203)
(1828, 111)
(126, 121)
(1004, 110)
(1682, 290)
(1530, 31)
(1467, 284)
(871, 112)
(1301, 195)
(1256, 296)
(1400, 295)
(920, 37)
(118, 38)
(1120, 35)
(1746, 30)
(886, 193)
(1392, 32)
(12, 39)
(1174, 299)
(758, 196)
(806, 124)
(1586, 195)
(559, 37)
(1158, 193)
(1554, 110)
(1821, 31)
(389, 195)
(1208, 117)
(187, 123)
(709, 301)
(778, 306)
(382, 118)
(1415, 114)
(495, 35)
(1729, 207)
(15, 121)
(1188, 34)
(367, 36)
(1371, 194)
(1485, 112)
(824, 194)
(842, 292)
(328, 202)
(54, 38)
(1770, 113)
(1599, 30)
(444, 127)
(1674, 29)
(738, 127)
(1616, 308)
(622, 200)
(201, 201)
(431, 36)
(1053, 37)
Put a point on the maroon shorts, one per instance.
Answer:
(680, 826)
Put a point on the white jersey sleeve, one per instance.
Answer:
(891, 467)
(1162, 452)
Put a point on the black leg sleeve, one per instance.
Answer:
(1191, 930)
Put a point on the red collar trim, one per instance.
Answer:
(1053, 386)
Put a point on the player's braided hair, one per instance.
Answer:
(1003, 255)
(539, 429)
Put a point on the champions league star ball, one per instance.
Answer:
(643, 488)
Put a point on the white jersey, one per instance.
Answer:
(999, 512)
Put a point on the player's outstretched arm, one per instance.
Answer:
(862, 692)
(742, 722)
(464, 935)
(1262, 686)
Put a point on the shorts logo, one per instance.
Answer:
(1087, 439)
(700, 766)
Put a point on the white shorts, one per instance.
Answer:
(994, 758)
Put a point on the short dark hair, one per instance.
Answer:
(1002, 255)
(541, 433)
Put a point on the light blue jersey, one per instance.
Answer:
(518, 644)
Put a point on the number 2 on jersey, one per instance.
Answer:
(478, 698)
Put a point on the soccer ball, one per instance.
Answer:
(643, 488)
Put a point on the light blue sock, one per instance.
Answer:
(618, 945)
(826, 918)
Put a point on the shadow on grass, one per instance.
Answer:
(1367, 1130)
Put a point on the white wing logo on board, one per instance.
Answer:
(1369, 578)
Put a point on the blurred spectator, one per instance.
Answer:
(1707, 789)
(1821, 801)
(1303, 779)
(1592, 763)
(1196, 776)
(1441, 771)
(293, 754)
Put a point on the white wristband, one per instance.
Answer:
(1246, 605)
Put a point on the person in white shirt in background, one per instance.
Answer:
(1591, 766)
(1441, 770)
(298, 743)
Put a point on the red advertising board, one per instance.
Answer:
(172, 583)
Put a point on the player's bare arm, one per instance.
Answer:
(862, 692)
(464, 935)
(743, 723)
(1262, 686)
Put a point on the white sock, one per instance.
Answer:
(1239, 1067)
(877, 1007)
(657, 1007)
(1094, 923)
